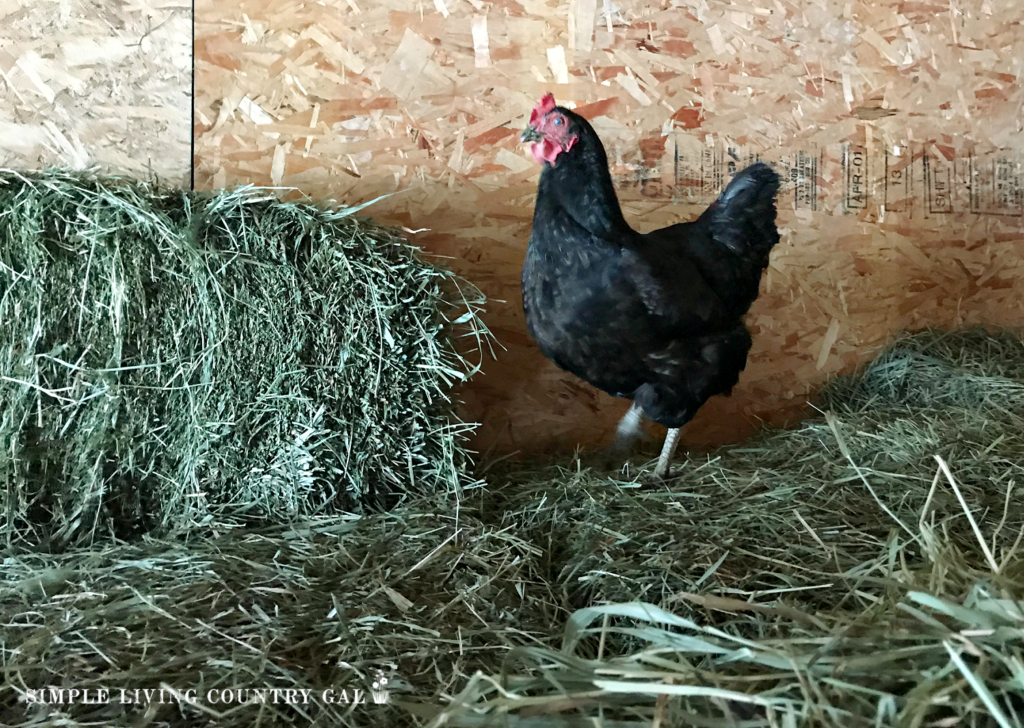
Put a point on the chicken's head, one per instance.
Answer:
(550, 130)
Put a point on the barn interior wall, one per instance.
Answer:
(97, 83)
(897, 127)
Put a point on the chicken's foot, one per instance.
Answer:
(667, 451)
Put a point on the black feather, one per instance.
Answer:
(656, 317)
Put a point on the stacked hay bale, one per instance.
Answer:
(169, 359)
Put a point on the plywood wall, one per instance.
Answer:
(103, 83)
(896, 124)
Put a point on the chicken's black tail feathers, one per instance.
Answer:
(743, 216)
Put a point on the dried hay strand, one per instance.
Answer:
(862, 569)
(169, 360)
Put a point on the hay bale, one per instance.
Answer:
(973, 371)
(798, 588)
(171, 359)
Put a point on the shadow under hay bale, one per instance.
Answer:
(829, 575)
(172, 359)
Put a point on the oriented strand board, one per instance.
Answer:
(102, 83)
(894, 123)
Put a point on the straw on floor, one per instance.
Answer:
(169, 360)
(837, 574)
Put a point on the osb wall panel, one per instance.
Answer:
(104, 83)
(895, 124)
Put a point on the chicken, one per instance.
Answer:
(656, 317)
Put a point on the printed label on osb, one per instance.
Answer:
(920, 181)
(803, 173)
(855, 166)
(898, 192)
(939, 183)
(995, 186)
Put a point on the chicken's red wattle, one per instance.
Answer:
(547, 150)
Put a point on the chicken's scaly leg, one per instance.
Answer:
(667, 451)
(626, 435)
(629, 430)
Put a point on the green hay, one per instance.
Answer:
(171, 360)
(828, 575)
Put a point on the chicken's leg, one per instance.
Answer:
(629, 430)
(626, 435)
(667, 451)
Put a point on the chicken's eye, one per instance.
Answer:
(558, 121)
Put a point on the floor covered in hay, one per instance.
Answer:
(863, 569)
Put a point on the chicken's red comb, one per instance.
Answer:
(547, 103)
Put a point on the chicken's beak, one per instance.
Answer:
(530, 134)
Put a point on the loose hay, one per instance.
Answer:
(831, 575)
(168, 359)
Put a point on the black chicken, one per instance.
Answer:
(654, 317)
